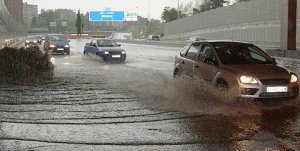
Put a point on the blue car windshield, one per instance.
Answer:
(106, 43)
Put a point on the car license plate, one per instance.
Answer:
(277, 89)
(116, 56)
(60, 49)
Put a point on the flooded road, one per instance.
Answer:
(137, 105)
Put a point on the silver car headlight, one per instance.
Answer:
(106, 52)
(294, 78)
(248, 80)
(123, 52)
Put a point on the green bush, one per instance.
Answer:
(25, 66)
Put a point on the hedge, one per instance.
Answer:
(25, 66)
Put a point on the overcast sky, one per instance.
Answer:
(156, 6)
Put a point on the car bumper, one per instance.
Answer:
(262, 92)
(31, 44)
(114, 57)
(61, 50)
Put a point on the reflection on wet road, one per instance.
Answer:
(93, 105)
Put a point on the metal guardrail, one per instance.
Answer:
(9, 40)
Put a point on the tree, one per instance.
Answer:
(79, 23)
(218, 3)
(206, 5)
(46, 17)
(238, 1)
(169, 14)
(172, 14)
(34, 21)
(185, 9)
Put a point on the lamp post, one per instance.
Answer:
(148, 24)
(137, 23)
(178, 15)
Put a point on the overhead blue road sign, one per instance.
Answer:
(106, 16)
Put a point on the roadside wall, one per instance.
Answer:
(256, 21)
(10, 29)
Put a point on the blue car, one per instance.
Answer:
(105, 48)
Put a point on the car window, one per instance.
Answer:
(106, 43)
(256, 56)
(184, 51)
(58, 38)
(207, 53)
(88, 43)
(193, 51)
(93, 43)
(32, 37)
(241, 54)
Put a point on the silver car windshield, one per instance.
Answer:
(241, 54)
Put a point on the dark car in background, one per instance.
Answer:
(57, 43)
(154, 37)
(33, 40)
(229, 64)
(105, 48)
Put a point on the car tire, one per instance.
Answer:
(177, 73)
(222, 85)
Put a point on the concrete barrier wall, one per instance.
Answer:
(10, 30)
(11, 24)
(256, 21)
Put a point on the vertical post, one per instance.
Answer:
(288, 25)
(137, 23)
(178, 13)
(148, 22)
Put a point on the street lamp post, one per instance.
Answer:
(148, 24)
(178, 9)
(137, 23)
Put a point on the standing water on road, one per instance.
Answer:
(92, 105)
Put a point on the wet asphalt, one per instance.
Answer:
(136, 105)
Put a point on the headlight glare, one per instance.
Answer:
(35, 41)
(106, 52)
(248, 80)
(52, 46)
(66, 46)
(294, 78)
(123, 52)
